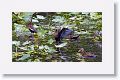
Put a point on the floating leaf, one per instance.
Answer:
(41, 47)
(17, 43)
(27, 42)
(23, 48)
(34, 20)
(25, 56)
(61, 45)
(40, 17)
(51, 50)
(50, 41)
(46, 47)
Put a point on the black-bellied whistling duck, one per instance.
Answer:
(62, 33)
(86, 54)
(31, 28)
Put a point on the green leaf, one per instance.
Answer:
(50, 41)
(51, 50)
(25, 56)
(61, 45)
(17, 43)
(27, 42)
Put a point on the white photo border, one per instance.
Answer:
(104, 67)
